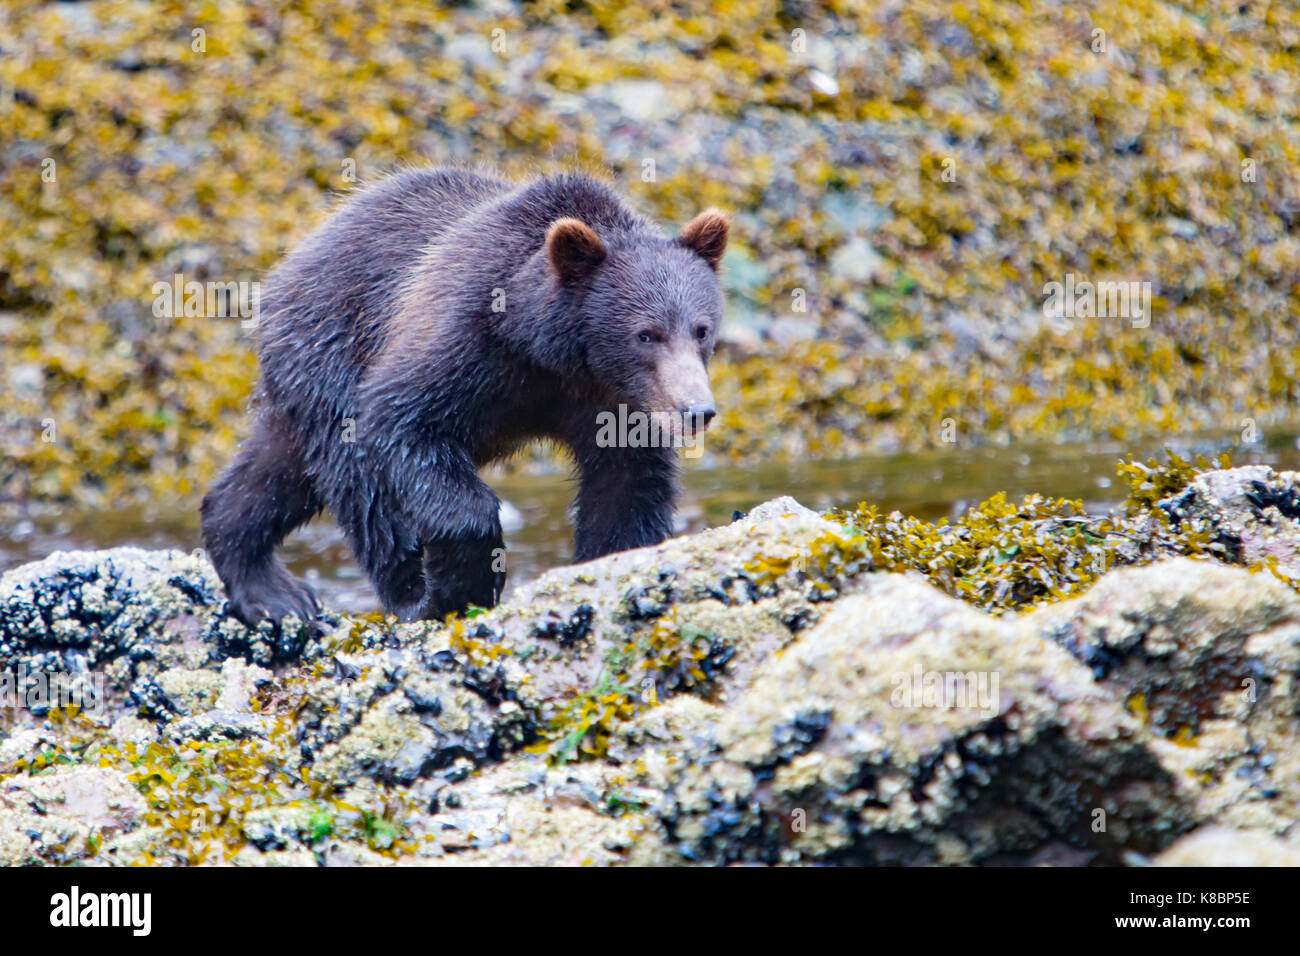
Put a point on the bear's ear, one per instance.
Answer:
(706, 235)
(573, 249)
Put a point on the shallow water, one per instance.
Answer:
(930, 484)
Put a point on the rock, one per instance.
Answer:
(250, 856)
(472, 50)
(857, 261)
(783, 507)
(16, 847)
(1176, 635)
(740, 338)
(132, 729)
(644, 101)
(274, 828)
(218, 724)
(788, 331)
(1221, 846)
(1182, 228)
(452, 708)
(190, 691)
(23, 744)
(26, 380)
(823, 84)
(854, 213)
(1204, 656)
(64, 813)
(837, 752)
(752, 693)
(1252, 512)
(239, 682)
(154, 624)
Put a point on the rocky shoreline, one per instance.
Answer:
(759, 692)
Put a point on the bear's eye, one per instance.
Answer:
(702, 332)
(646, 337)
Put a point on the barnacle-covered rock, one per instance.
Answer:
(135, 616)
(907, 727)
(765, 691)
(1194, 640)
(566, 660)
(1206, 656)
(1224, 846)
(64, 814)
(1252, 511)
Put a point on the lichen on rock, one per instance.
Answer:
(783, 689)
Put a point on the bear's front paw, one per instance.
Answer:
(457, 574)
(272, 597)
(411, 611)
(435, 605)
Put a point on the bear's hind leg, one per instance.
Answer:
(262, 496)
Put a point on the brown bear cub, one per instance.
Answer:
(434, 324)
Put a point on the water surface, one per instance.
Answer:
(929, 484)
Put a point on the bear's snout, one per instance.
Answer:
(683, 388)
(698, 416)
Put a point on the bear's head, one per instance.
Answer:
(651, 308)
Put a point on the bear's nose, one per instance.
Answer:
(700, 415)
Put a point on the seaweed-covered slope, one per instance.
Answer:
(906, 178)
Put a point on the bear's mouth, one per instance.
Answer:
(638, 426)
(684, 427)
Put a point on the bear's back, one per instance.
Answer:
(357, 287)
(324, 309)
